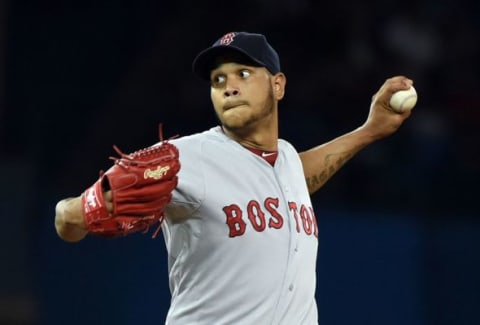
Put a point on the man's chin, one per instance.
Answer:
(234, 121)
(235, 126)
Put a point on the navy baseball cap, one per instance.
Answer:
(253, 47)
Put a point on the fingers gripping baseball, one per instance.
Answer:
(382, 119)
(132, 194)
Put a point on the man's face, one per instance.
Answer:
(242, 95)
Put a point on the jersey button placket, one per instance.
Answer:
(293, 255)
(291, 271)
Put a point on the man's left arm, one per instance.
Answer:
(322, 162)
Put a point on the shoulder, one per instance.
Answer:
(284, 145)
(202, 147)
(289, 153)
(193, 143)
(213, 134)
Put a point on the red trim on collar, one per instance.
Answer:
(269, 156)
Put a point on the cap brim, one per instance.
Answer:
(203, 63)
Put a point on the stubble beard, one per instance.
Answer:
(253, 119)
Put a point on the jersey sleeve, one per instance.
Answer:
(190, 191)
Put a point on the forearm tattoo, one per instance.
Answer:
(331, 164)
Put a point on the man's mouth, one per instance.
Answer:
(231, 105)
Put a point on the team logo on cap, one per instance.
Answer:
(227, 39)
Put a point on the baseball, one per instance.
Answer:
(403, 100)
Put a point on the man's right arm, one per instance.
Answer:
(69, 220)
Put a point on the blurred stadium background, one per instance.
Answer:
(399, 225)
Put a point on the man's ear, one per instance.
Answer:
(279, 82)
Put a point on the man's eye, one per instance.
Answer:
(218, 79)
(244, 73)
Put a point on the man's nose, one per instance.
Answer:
(231, 90)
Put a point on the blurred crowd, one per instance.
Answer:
(80, 78)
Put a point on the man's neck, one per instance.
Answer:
(266, 139)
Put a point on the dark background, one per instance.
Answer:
(399, 227)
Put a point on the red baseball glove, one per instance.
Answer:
(141, 184)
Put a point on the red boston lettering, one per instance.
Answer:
(234, 220)
(256, 216)
(276, 221)
(259, 216)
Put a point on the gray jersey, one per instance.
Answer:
(243, 247)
